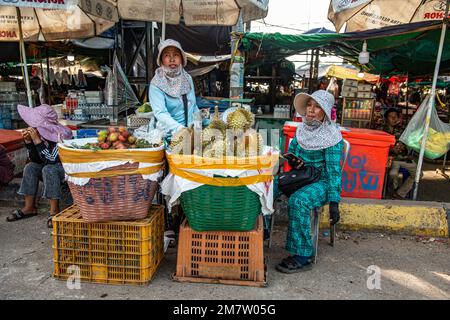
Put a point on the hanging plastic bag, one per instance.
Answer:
(118, 89)
(438, 142)
(110, 87)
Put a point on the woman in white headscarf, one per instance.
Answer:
(172, 89)
(318, 143)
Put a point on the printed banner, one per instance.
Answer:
(42, 4)
(342, 5)
(98, 8)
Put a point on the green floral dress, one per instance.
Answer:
(315, 195)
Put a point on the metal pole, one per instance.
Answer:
(311, 67)
(316, 70)
(49, 84)
(163, 34)
(237, 62)
(24, 59)
(431, 102)
(407, 97)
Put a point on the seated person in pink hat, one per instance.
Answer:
(41, 140)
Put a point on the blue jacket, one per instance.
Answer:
(169, 111)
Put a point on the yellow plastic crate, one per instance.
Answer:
(111, 252)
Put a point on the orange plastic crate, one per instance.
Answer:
(225, 257)
(109, 252)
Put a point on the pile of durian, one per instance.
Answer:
(235, 137)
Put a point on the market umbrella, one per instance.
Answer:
(369, 14)
(373, 14)
(47, 20)
(194, 12)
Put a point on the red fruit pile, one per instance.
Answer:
(116, 139)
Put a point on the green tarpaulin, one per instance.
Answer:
(408, 48)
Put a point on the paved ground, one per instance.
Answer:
(434, 186)
(411, 268)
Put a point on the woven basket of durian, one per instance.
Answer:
(222, 175)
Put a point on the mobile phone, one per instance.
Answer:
(293, 159)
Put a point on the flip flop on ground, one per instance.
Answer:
(291, 265)
(20, 215)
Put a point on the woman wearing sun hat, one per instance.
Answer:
(172, 89)
(41, 140)
(319, 143)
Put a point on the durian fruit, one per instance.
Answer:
(182, 141)
(250, 116)
(217, 149)
(249, 145)
(240, 119)
(216, 129)
(210, 135)
(218, 123)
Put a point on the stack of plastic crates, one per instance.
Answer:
(110, 252)
(225, 257)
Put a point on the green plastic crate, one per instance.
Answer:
(211, 208)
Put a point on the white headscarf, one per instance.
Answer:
(316, 135)
(174, 83)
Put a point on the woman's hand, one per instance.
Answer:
(390, 161)
(35, 136)
(335, 215)
(26, 136)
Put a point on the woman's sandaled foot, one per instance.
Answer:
(20, 215)
(50, 220)
(291, 265)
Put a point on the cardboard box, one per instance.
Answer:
(349, 89)
(364, 87)
(347, 94)
(350, 83)
(364, 95)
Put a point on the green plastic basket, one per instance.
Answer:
(211, 208)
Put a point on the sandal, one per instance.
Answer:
(49, 221)
(19, 215)
(290, 265)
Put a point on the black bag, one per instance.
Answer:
(290, 182)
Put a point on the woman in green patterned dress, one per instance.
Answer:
(319, 143)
